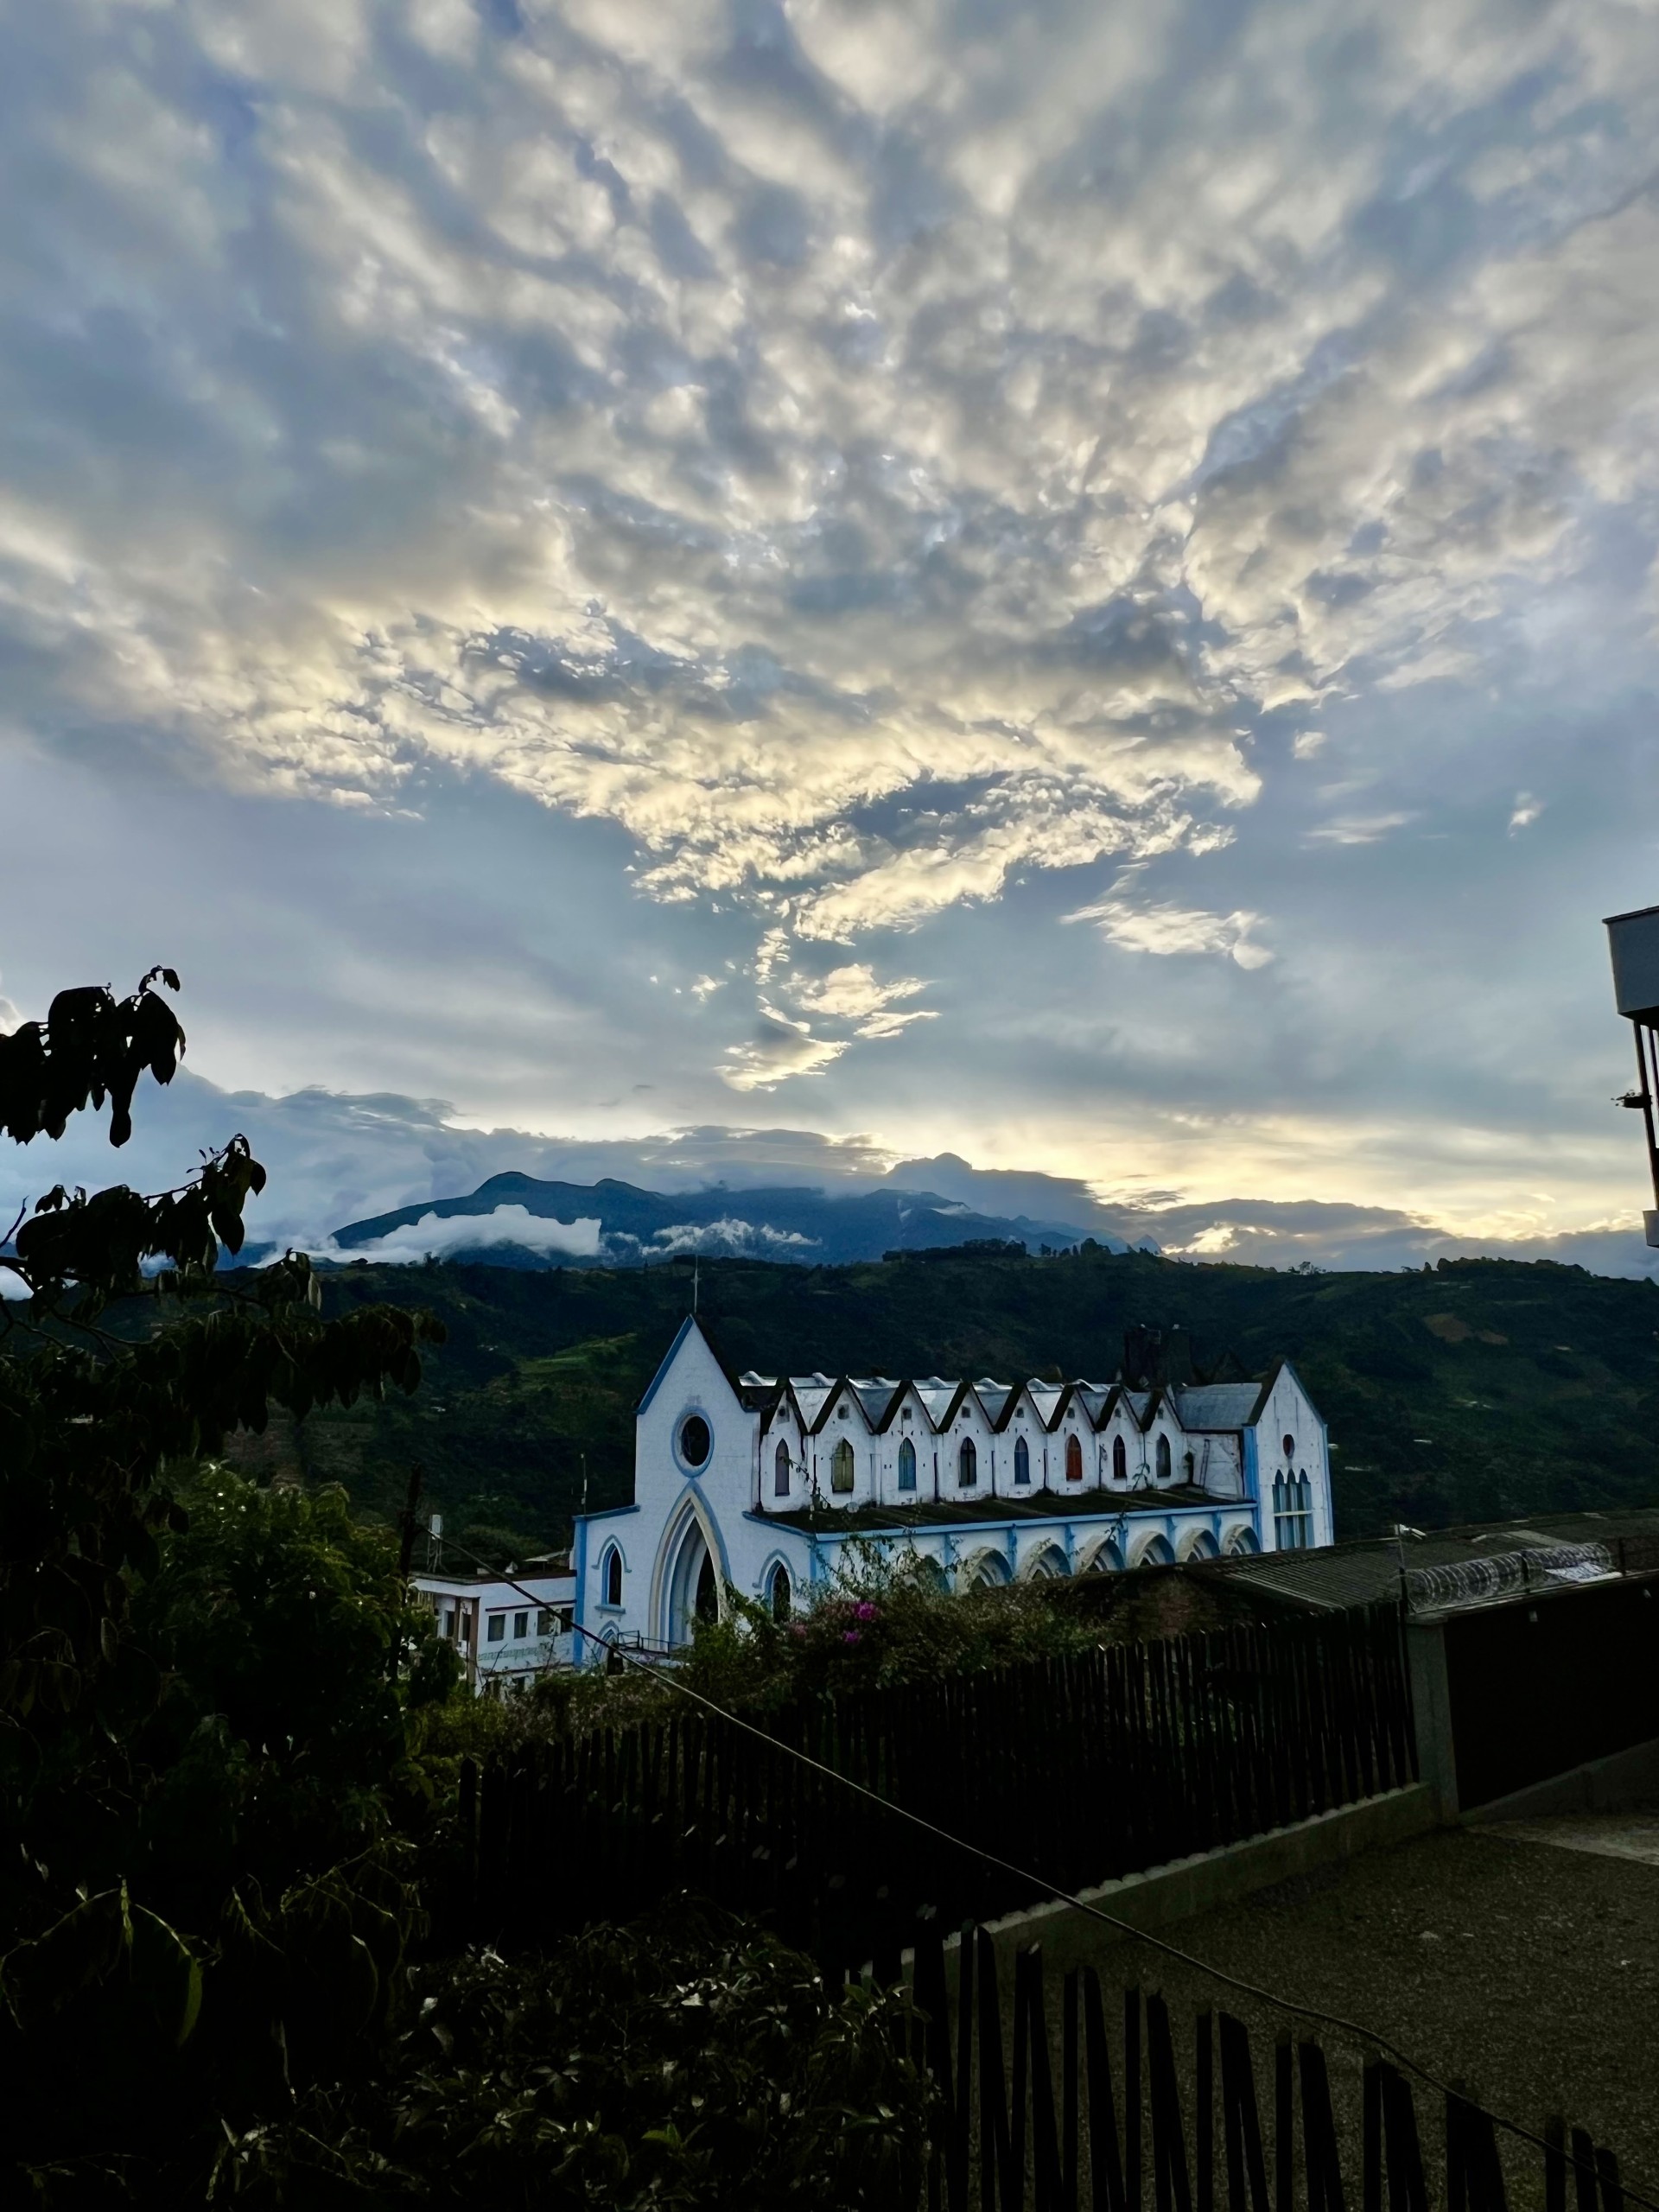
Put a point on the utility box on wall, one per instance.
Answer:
(1633, 940)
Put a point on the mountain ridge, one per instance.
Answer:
(611, 1223)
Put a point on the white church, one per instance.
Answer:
(758, 1484)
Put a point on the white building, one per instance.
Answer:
(507, 1629)
(761, 1484)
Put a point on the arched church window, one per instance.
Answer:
(780, 1472)
(967, 1464)
(906, 1465)
(840, 1466)
(1163, 1459)
(1285, 1515)
(778, 1593)
(1290, 1447)
(1021, 1461)
(695, 1441)
(1189, 1467)
(611, 1576)
(1073, 1460)
(1120, 1461)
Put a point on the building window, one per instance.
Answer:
(1189, 1468)
(1163, 1459)
(695, 1442)
(1293, 1512)
(780, 1472)
(906, 1465)
(840, 1466)
(496, 1628)
(447, 1623)
(1073, 1460)
(1021, 1461)
(1120, 1461)
(778, 1593)
(1290, 1447)
(544, 1622)
(610, 1577)
(520, 1627)
(967, 1464)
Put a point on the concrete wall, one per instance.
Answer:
(1511, 1696)
(1165, 1894)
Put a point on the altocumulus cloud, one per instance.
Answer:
(864, 451)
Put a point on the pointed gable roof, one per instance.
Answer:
(692, 1326)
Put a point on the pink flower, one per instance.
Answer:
(865, 1612)
(851, 1636)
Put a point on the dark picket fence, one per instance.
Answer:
(1059, 2121)
(1077, 1769)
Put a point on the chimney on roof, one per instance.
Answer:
(1153, 1357)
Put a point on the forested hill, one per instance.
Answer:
(1481, 1390)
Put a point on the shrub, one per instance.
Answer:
(686, 2061)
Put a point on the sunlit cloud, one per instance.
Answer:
(1168, 928)
(886, 479)
(1358, 829)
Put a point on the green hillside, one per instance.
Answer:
(1480, 1390)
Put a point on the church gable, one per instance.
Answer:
(693, 1425)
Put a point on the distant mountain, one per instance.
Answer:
(519, 1221)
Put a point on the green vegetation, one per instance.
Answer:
(219, 1835)
(880, 1624)
(687, 2060)
(1478, 1390)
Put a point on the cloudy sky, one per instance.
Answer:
(1070, 583)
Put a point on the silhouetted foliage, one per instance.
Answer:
(212, 1827)
(685, 2061)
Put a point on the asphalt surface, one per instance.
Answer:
(1522, 1964)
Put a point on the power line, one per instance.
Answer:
(1094, 1911)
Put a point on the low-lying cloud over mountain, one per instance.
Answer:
(525, 1222)
(402, 1175)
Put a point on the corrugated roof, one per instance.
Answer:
(1360, 1572)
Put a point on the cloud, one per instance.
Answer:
(1261, 1232)
(1357, 829)
(436, 1236)
(1526, 812)
(730, 1234)
(777, 1048)
(1169, 929)
(747, 433)
(853, 993)
(502, 501)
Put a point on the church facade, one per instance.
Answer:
(761, 1484)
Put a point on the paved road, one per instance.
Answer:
(1527, 1964)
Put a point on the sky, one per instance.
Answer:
(1071, 587)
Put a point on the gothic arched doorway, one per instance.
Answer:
(693, 1585)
